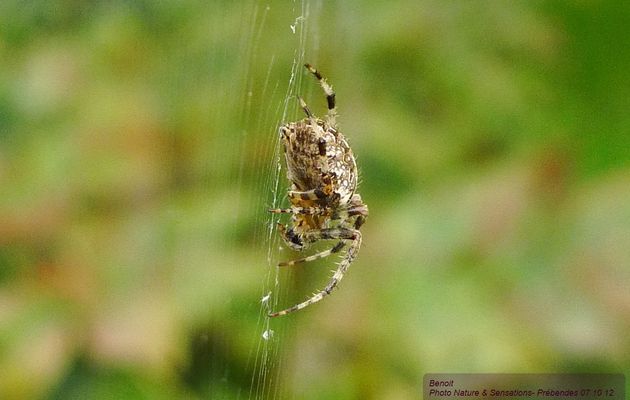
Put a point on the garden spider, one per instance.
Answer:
(324, 205)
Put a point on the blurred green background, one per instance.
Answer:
(139, 152)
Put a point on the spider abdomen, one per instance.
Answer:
(319, 159)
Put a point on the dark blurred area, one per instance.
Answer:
(138, 157)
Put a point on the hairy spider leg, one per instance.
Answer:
(358, 210)
(337, 248)
(330, 93)
(314, 194)
(290, 238)
(299, 210)
(308, 112)
(339, 233)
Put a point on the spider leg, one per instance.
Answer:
(330, 93)
(314, 194)
(359, 213)
(352, 216)
(299, 210)
(356, 211)
(305, 107)
(290, 238)
(314, 257)
(341, 233)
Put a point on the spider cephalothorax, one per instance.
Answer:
(324, 203)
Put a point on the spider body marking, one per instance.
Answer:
(323, 201)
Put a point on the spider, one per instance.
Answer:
(323, 203)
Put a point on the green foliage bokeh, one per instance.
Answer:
(137, 161)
